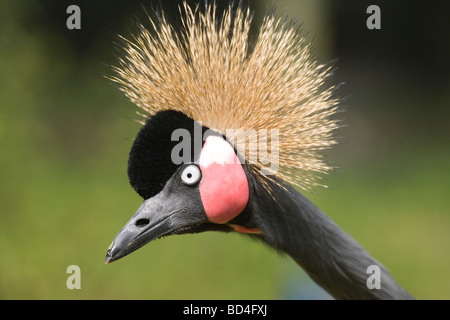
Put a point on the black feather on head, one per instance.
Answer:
(150, 164)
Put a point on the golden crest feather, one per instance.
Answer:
(210, 72)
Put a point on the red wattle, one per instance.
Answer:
(224, 187)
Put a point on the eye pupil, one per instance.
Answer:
(189, 175)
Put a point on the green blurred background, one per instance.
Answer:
(65, 133)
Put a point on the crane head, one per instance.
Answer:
(208, 78)
(205, 193)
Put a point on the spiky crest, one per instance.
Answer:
(208, 72)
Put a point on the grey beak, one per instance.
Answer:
(151, 221)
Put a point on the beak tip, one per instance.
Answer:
(108, 257)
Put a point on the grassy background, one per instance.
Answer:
(66, 132)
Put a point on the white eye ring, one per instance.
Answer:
(191, 174)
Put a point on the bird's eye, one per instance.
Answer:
(190, 174)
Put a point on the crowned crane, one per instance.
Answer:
(202, 90)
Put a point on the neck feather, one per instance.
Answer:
(335, 261)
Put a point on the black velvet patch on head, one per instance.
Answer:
(150, 164)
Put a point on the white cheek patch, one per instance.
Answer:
(217, 150)
(224, 187)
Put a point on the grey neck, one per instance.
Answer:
(330, 256)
